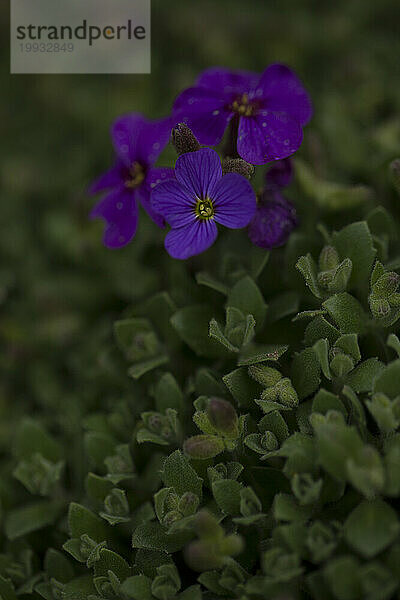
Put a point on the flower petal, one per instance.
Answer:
(268, 136)
(280, 174)
(154, 177)
(174, 202)
(125, 134)
(153, 138)
(107, 180)
(192, 239)
(119, 211)
(273, 222)
(234, 201)
(199, 172)
(283, 91)
(138, 139)
(228, 82)
(205, 112)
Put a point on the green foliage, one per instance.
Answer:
(239, 437)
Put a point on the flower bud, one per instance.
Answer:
(201, 556)
(287, 395)
(188, 504)
(380, 308)
(171, 517)
(237, 165)
(386, 284)
(325, 278)
(206, 525)
(232, 545)
(223, 417)
(267, 376)
(201, 447)
(269, 441)
(184, 139)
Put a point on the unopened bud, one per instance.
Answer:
(237, 165)
(287, 395)
(269, 441)
(223, 417)
(188, 504)
(386, 284)
(201, 556)
(201, 447)
(325, 278)
(379, 308)
(184, 139)
(206, 525)
(171, 517)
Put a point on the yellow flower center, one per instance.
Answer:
(204, 208)
(136, 174)
(243, 107)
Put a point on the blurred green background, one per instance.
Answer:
(60, 290)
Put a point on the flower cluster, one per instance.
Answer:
(265, 115)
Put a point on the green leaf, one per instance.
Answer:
(137, 588)
(355, 242)
(362, 378)
(192, 324)
(7, 590)
(204, 278)
(307, 267)
(305, 373)
(216, 332)
(325, 401)
(178, 473)
(286, 509)
(110, 561)
(57, 566)
(29, 518)
(81, 521)
(168, 394)
(394, 343)
(227, 495)
(152, 535)
(253, 354)
(342, 576)
(320, 328)
(31, 438)
(79, 588)
(98, 446)
(246, 296)
(321, 349)
(341, 276)
(139, 369)
(242, 387)
(136, 338)
(388, 380)
(282, 306)
(371, 527)
(336, 443)
(347, 313)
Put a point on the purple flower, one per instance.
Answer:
(275, 217)
(200, 197)
(269, 110)
(137, 143)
